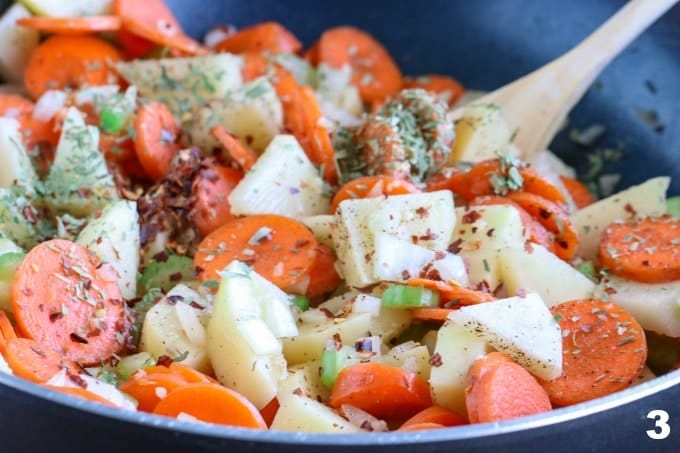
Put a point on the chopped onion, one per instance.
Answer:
(105, 390)
(91, 95)
(218, 34)
(189, 319)
(451, 267)
(301, 286)
(338, 115)
(313, 316)
(363, 419)
(364, 303)
(373, 353)
(48, 105)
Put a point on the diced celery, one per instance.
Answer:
(127, 365)
(402, 296)
(301, 302)
(587, 268)
(333, 360)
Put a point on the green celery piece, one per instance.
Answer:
(333, 360)
(402, 296)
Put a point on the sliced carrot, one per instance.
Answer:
(371, 187)
(211, 188)
(281, 249)
(254, 65)
(431, 314)
(35, 362)
(381, 390)
(420, 426)
(156, 134)
(323, 278)
(452, 295)
(64, 301)
(536, 231)
(7, 332)
(374, 72)
(185, 372)
(269, 37)
(13, 105)
(500, 389)
(82, 393)
(579, 192)
(554, 218)
(311, 55)
(643, 249)
(446, 88)
(438, 415)
(603, 350)
(211, 403)
(152, 21)
(269, 411)
(63, 61)
(239, 152)
(72, 25)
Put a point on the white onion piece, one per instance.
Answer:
(451, 267)
(48, 105)
(363, 419)
(191, 324)
(364, 303)
(337, 114)
(91, 94)
(218, 34)
(105, 390)
(374, 354)
(313, 316)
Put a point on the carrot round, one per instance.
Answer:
(72, 25)
(63, 61)
(311, 55)
(420, 426)
(7, 332)
(156, 133)
(210, 190)
(254, 65)
(446, 88)
(269, 37)
(64, 301)
(374, 72)
(188, 374)
(429, 314)
(371, 187)
(603, 350)
(238, 151)
(381, 390)
(500, 389)
(33, 361)
(554, 218)
(578, 192)
(452, 295)
(323, 278)
(81, 393)
(211, 403)
(438, 415)
(154, 23)
(643, 249)
(279, 248)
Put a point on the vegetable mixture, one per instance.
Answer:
(250, 233)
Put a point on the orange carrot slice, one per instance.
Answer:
(32, 361)
(64, 301)
(579, 193)
(372, 187)
(453, 295)
(63, 61)
(211, 188)
(603, 351)
(72, 25)
(82, 393)
(156, 133)
(269, 37)
(446, 88)
(433, 415)
(323, 278)
(239, 152)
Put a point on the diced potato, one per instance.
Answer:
(304, 379)
(283, 181)
(648, 198)
(655, 306)
(427, 219)
(322, 227)
(312, 337)
(184, 83)
(114, 238)
(252, 113)
(480, 238)
(13, 220)
(16, 170)
(458, 349)
(481, 132)
(521, 327)
(18, 43)
(301, 414)
(537, 270)
(390, 323)
(416, 359)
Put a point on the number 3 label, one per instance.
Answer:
(662, 428)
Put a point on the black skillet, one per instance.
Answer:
(485, 44)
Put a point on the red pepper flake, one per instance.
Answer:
(436, 360)
(422, 212)
(471, 217)
(609, 290)
(29, 215)
(528, 247)
(38, 351)
(337, 340)
(327, 312)
(28, 292)
(456, 246)
(630, 209)
(196, 305)
(174, 298)
(298, 391)
(177, 276)
(55, 316)
(428, 236)
(405, 274)
(544, 213)
(645, 263)
(490, 232)
(77, 338)
(77, 380)
(164, 360)
(161, 257)
(439, 255)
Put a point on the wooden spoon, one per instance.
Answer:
(536, 104)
